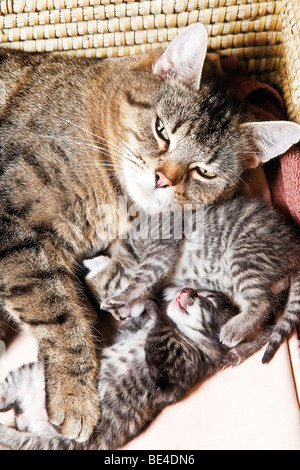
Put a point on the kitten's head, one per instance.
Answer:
(193, 311)
(186, 137)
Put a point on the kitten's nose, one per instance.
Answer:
(161, 180)
(186, 298)
(189, 291)
(186, 294)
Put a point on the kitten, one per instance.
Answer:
(240, 247)
(154, 361)
(76, 135)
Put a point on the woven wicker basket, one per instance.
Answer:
(266, 35)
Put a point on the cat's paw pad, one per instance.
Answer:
(232, 333)
(125, 299)
(231, 359)
(134, 310)
(114, 303)
(119, 313)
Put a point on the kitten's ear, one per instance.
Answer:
(272, 138)
(184, 57)
(97, 264)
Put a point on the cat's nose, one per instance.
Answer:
(161, 180)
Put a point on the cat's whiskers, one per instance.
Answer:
(9, 325)
(84, 121)
(91, 133)
(104, 152)
(87, 142)
(84, 143)
(106, 145)
(119, 158)
(130, 150)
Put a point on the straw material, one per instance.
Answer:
(110, 28)
(291, 63)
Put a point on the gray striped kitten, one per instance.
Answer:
(242, 248)
(154, 361)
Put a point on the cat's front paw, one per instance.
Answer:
(134, 310)
(232, 333)
(74, 412)
(239, 328)
(231, 359)
(125, 299)
(116, 302)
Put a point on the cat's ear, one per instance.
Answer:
(272, 138)
(184, 57)
(97, 264)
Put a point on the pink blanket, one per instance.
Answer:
(283, 173)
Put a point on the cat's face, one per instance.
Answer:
(189, 146)
(184, 137)
(193, 310)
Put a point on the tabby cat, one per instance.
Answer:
(77, 134)
(154, 361)
(241, 247)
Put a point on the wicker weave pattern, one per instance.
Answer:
(291, 64)
(110, 28)
(103, 28)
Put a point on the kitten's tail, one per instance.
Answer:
(289, 320)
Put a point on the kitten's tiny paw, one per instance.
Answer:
(121, 313)
(134, 310)
(231, 359)
(113, 303)
(116, 314)
(232, 333)
(125, 299)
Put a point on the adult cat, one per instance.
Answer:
(76, 134)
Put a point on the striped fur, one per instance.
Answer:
(289, 320)
(242, 248)
(77, 134)
(150, 365)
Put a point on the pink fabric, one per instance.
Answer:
(284, 181)
(283, 173)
